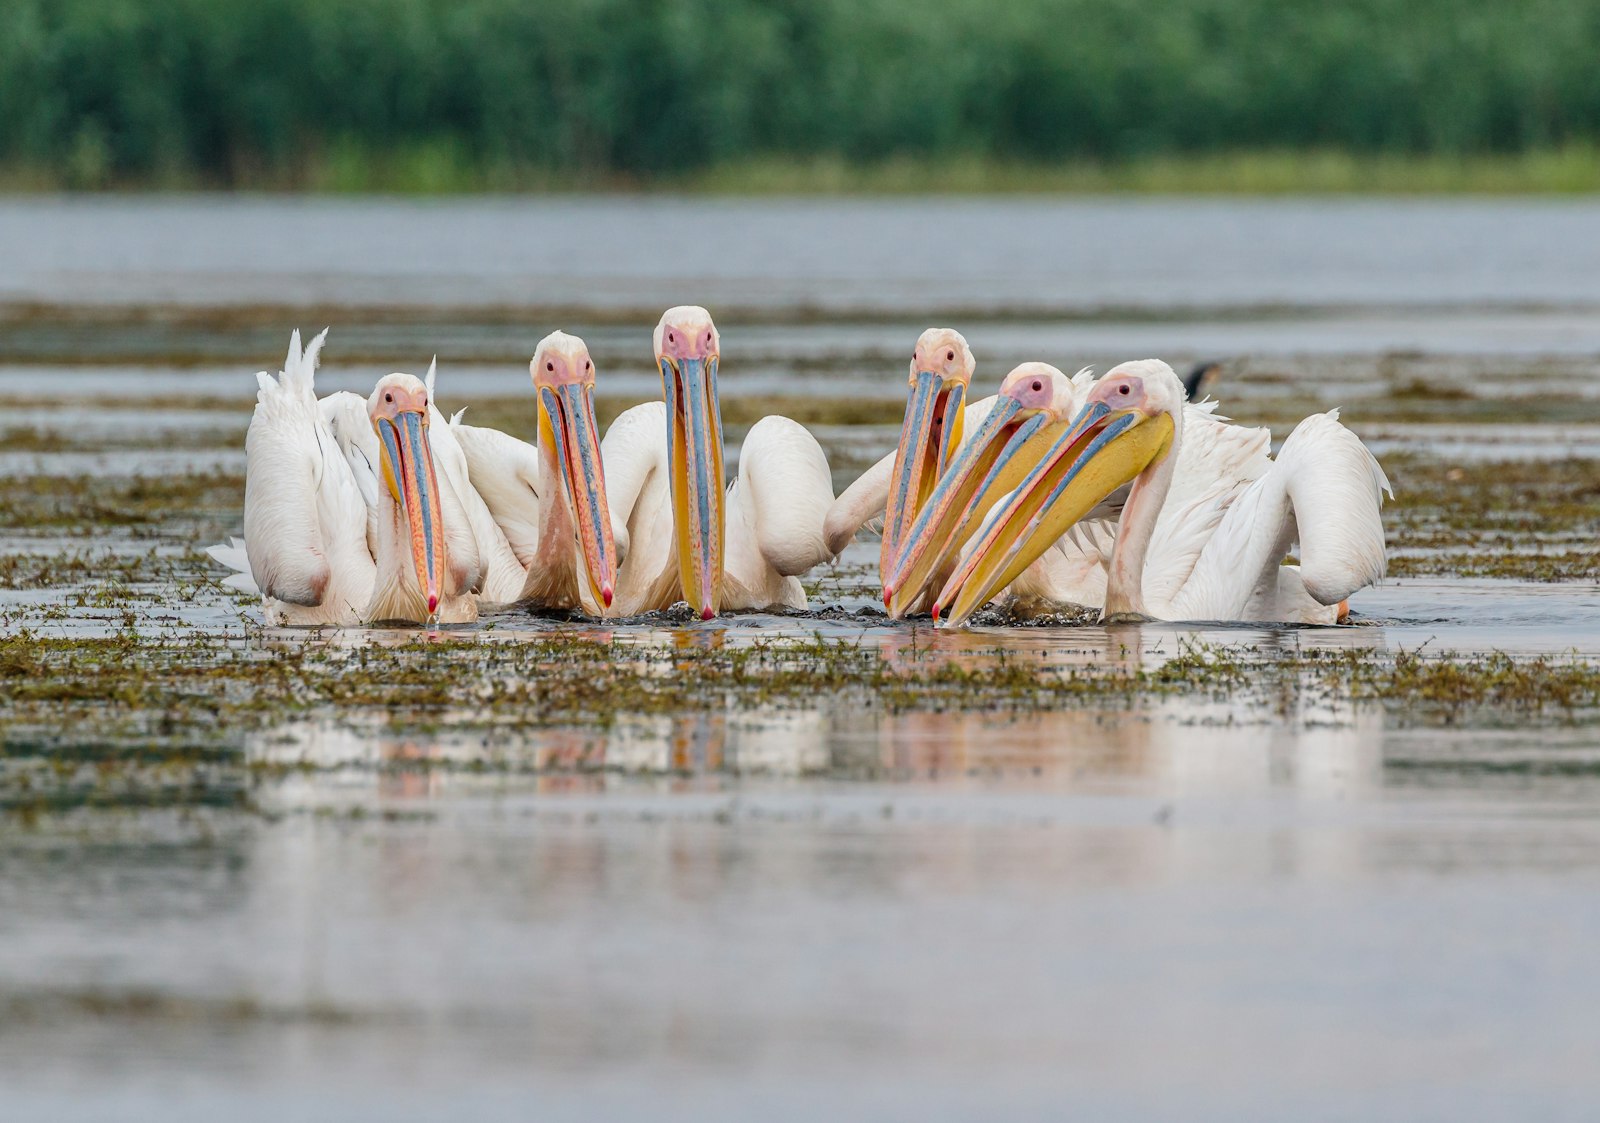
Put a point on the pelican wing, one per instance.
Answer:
(465, 559)
(501, 573)
(505, 474)
(1325, 492)
(346, 417)
(785, 489)
(303, 510)
(1217, 460)
(634, 453)
(232, 554)
(1336, 489)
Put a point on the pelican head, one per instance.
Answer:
(1128, 424)
(563, 379)
(1035, 400)
(687, 353)
(398, 409)
(941, 368)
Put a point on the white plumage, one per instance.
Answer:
(1206, 526)
(775, 511)
(503, 574)
(322, 543)
(532, 547)
(1322, 496)
(505, 479)
(1213, 467)
(1214, 464)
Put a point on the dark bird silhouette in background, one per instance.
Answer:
(1199, 381)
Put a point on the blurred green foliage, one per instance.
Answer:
(352, 93)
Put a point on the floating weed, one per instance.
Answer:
(1450, 688)
(159, 714)
(90, 505)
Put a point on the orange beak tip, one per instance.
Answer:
(707, 612)
(605, 595)
(888, 595)
(935, 614)
(433, 603)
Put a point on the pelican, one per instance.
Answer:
(681, 537)
(924, 544)
(897, 487)
(1213, 556)
(546, 516)
(324, 541)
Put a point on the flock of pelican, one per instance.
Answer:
(1120, 494)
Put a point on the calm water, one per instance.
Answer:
(1214, 910)
(851, 256)
(1236, 276)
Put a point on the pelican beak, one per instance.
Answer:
(999, 454)
(567, 418)
(694, 449)
(929, 435)
(408, 470)
(1099, 452)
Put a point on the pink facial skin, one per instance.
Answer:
(698, 343)
(558, 367)
(944, 352)
(397, 398)
(1030, 392)
(1123, 391)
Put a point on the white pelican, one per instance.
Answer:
(925, 541)
(1213, 556)
(680, 537)
(545, 505)
(896, 487)
(324, 542)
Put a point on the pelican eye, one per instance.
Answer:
(388, 397)
(1037, 385)
(1123, 389)
(949, 356)
(550, 367)
(670, 338)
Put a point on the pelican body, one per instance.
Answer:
(545, 509)
(683, 537)
(1215, 555)
(346, 519)
(945, 497)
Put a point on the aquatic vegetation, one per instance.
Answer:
(81, 504)
(129, 678)
(198, 693)
(45, 1007)
(1525, 519)
(133, 721)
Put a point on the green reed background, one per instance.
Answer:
(421, 95)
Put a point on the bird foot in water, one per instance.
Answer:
(1126, 618)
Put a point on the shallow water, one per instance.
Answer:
(1160, 918)
(1215, 904)
(838, 255)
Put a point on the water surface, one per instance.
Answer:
(1221, 904)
